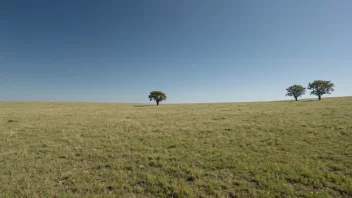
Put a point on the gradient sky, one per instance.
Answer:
(194, 51)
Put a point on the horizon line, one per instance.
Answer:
(49, 101)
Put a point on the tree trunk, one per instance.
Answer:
(319, 96)
(157, 102)
(296, 98)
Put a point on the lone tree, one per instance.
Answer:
(296, 91)
(157, 96)
(321, 87)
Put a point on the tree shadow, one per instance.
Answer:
(311, 100)
(144, 105)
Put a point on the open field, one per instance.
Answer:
(265, 149)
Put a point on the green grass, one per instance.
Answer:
(264, 149)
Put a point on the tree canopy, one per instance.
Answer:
(157, 96)
(321, 87)
(295, 91)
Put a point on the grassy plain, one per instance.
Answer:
(264, 149)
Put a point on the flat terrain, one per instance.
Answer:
(264, 149)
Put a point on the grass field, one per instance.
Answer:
(264, 149)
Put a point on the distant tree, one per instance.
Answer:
(295, 91)
(321, 87)
(157, 96)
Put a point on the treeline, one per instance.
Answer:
(318, 88)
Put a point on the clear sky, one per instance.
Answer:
(194, 51)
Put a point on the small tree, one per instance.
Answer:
(296, 91)
(321, 87)
(157, 96)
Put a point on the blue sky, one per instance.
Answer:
(194, 51)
